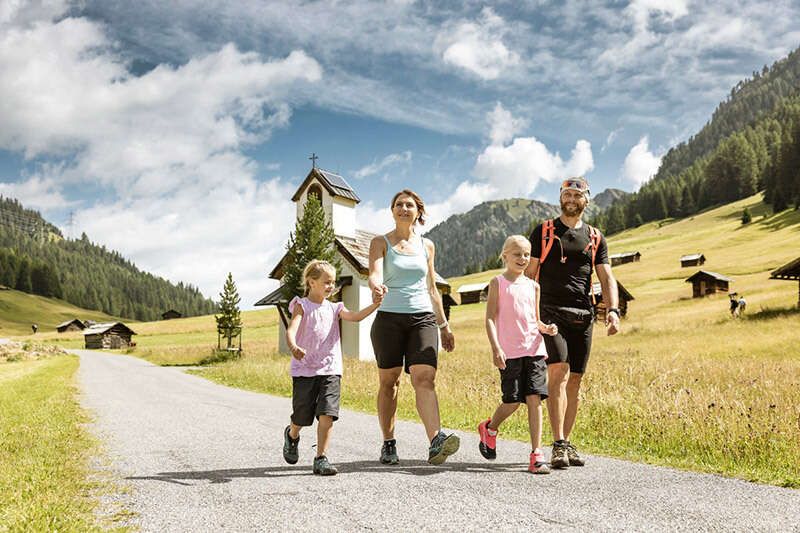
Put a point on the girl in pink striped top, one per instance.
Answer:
(515, 334)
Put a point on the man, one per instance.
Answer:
(565, 275)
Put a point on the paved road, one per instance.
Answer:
(202, 457)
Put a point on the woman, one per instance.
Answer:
(405, 333)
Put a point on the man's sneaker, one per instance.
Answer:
(389, 452)
(559, 458)
(441, 446)
(323, 467)
(290, 447)
(488, 444)
(538, 464)
(574, 458)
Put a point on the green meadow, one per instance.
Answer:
(684, 384)
(45, 476)
(18, 310)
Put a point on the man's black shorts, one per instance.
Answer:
(405, 339)
(522, 377)
(573, 343)
(315, 396)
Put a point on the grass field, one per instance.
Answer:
(18, 310)
(45, 479)
(684, 384)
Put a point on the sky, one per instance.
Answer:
(176, 132)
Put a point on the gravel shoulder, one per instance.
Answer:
(198, 456)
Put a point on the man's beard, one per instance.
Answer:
(571, 211)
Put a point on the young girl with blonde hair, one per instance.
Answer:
(313, 338)
(518, 351)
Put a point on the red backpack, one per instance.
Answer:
(549, 237)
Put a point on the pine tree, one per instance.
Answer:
(746, 218)
(229, 321)
(313, 238)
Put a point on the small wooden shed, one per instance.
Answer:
(169, 315)
(790, 271)
(600, 306)
(692, 260)
(108, 336)
(70, 325)
(471, 293)
(625, 257)
(705, 282)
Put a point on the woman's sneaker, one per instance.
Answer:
(573, 457)
(290, 453)
(538, 464)
(559, 459)
(441, 447)
(389, 452)
(488, 444)
(324, 468)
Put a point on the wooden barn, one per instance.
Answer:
(169, 315)
(705, 283)
(600, 307)
(71, 325)
(625, 257)
(108, 336)
(790, 271)
(692, 260)
(473, 292)
(338, 201)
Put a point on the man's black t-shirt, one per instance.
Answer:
(567, 284)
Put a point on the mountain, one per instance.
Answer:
(608, 197)
(750, 143)
(35, 258)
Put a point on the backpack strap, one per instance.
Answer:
(548, 234)
(594, 243)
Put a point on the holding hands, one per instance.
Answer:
(378, 293)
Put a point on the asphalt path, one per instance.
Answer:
(196, 456)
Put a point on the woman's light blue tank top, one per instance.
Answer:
(406, 277)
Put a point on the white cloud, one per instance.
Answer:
(640, 164)
(378, 166)
(612, 136)
(511, 170)
(477, 46)
(37, 192)
(503, 126)
(163, 152)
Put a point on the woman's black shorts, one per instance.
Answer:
(405, 339)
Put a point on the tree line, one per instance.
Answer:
(85, 274)
(752, 143)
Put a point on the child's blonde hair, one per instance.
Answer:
(314, 270)
(512, 241)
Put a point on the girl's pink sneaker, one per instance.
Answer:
(488, 442)
(538, 464)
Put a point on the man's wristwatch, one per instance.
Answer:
(613, 310)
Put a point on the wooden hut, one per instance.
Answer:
(169, 315)
(705, 283)
(472, 293)
(108, 336)
(790, 271)
(70, 325)
(625, 257)
(600, 307)
(692, 260)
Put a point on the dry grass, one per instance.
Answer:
(684, 385)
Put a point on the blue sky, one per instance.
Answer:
(176, 132)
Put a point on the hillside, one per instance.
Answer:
(19, 310)
(36, 259)
(465, 241)
(746, 253)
